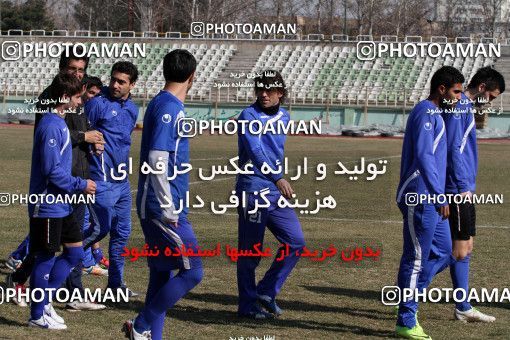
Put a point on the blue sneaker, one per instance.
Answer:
(257, 314)
(270, 304)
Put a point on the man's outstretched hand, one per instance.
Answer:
(285, 188)
(91, 187)
(444, 211)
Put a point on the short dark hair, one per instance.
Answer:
(93, 81)
(447, 76)
(493, 79)
(64, 59)
(65, 83)
(126, 67)
(271, 79)
(178, 65)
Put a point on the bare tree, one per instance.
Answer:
(331, 22)
(491, 16)
(144, 11)
(408, 17)
(319, 3)
(368, 15)
(62, 14)
(356, 8)
(353, 17)
(401, 15)
(278, 4)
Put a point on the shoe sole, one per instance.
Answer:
(86, 310)
(74, 310)
(473, 320)
(31, 324)
(417, 338)
(426, 337)
(468, 320)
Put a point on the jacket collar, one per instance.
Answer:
(105, 91)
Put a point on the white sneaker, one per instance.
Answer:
(95, 270)
(50, 311)
(129, 331)
(473, 315)
(20, 301)
(78, 306)
(18, 289)
(12, 263)
(46, 322)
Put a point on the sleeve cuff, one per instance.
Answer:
(462, 189)
(83, 184)
(81, 136)
(276, 177)
(439, 205)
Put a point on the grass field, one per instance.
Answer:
(321, 300)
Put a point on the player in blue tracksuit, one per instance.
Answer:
(114, 114)
(282, 222)
(162, 225)
(461, 171)
(427, 243)
(51, 221)
(75, 63)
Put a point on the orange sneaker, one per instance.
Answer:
(105, 263)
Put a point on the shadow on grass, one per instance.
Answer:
(357, 293)
(222, 317)
(229, 317)
(376, 296)
(294, 305)
(493, 305)
(7, 322)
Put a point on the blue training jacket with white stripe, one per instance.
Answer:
(51, 168)
(462, 163)
(424, 153)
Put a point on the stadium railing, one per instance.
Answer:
(288, 37)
